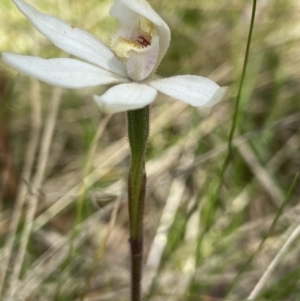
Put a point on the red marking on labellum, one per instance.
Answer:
(144, 42)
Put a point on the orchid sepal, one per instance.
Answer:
(195, 90)
(72, 40)
(63, 72)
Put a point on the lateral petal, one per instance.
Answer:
(63, 72)
(72, 40)
(194, 90)
(125, 97)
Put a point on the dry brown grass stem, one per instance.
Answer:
(160, 240)
(55, 255)
(262, 175)
(294, 234)
(242, 199)
(26, 175)
(36, 185)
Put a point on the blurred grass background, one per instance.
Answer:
(64, 164)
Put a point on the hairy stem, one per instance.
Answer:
(138, 131)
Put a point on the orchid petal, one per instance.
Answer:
(72, 40)
(142, 61)
(125, 97)
(128, 11)
(194, 90)
(63, 72)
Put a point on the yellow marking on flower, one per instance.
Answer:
(123, 46)
(144, 31)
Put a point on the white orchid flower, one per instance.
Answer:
(136, 51)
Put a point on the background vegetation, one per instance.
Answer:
(64, 164)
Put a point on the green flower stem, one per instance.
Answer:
(138, 132)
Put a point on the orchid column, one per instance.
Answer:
(129, 66)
